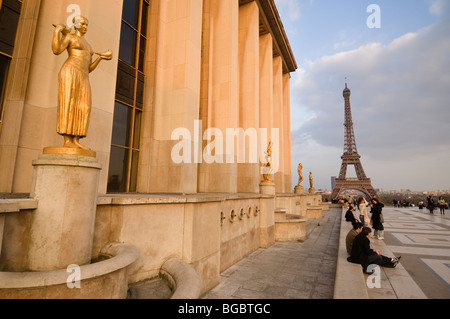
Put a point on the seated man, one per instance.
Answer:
(362, 253)
(357, 228)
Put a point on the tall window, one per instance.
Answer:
(9, 20)
(125, 144)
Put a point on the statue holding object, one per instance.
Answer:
(74, 91)
(267, 168)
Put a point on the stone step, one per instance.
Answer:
(280, 213)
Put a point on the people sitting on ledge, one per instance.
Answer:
(349, 216)
(357, 228)
(362, 254)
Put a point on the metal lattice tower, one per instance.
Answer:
(351, 157)
(349, 142)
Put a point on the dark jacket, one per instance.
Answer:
(376, 212)
(349, 240)
(361, 251)
(349, 217)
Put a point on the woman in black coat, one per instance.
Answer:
(431, 204)
(364, 255)
(377, 221)
(349, 217)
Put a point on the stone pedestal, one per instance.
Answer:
(267, 188)
(299, 189)
(314, 212)
(62, 226)
(312, 190)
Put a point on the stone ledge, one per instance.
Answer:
(314, 212)
(122, 255)
(349, 281)
(66, 160)
(290, 228)
(182, 279)
(16, 205)
(172, 198)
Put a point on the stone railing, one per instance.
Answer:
(13, 206)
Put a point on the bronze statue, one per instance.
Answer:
(74, 91)
(300, 174)
(267, 169)
(311, 185)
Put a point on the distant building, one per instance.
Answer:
(333, 181)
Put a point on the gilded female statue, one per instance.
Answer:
(268, 165)
(74, 91)
(300, 174)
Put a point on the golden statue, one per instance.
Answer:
(74, 91)
(311, 184)
(300, 174)
(267, 169)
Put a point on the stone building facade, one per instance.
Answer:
(210, 69)
(225, 63)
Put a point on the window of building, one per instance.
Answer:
(9, 21)
(125, 143)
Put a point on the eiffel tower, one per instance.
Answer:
(351, 157)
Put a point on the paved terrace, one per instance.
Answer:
(317, 268)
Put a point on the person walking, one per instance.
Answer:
(362, 207)
(442, 205)
(430, 204)
(377, 219)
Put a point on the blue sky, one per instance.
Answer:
(399, 75)
(324, 27)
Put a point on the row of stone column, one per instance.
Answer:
(210, 63)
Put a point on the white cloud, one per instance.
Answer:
(400, 106)
(438, 7)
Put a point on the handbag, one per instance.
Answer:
(381, 218)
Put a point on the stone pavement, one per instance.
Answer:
(287, 270)
(423, 241)
(384, 283)
(306, 270)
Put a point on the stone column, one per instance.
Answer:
(172, 96)
(62, 226)
(265, 91)
(278, 121)
(248, 172)
(287, 133)
(221, 107)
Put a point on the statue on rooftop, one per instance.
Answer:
(300, 174)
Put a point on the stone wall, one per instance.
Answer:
(209, 231)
